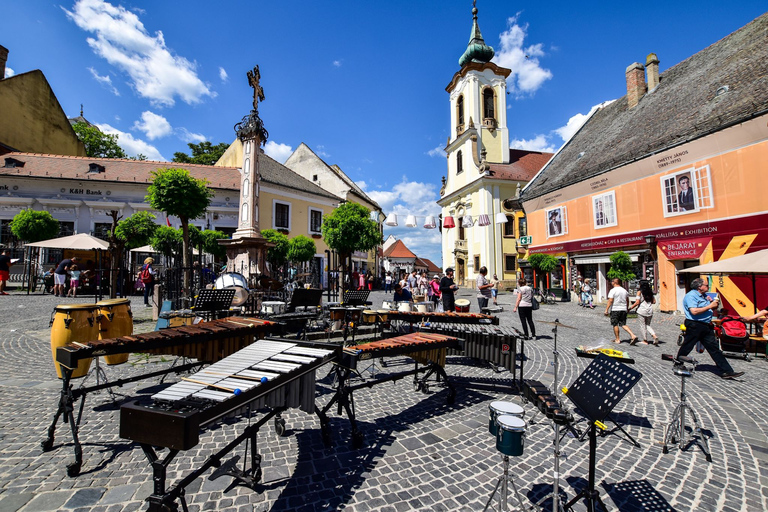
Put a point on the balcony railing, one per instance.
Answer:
(461, 244)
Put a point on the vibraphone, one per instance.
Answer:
(491, 343)
(206, 342)
(272, 373)
(445, 317)
(427, 348)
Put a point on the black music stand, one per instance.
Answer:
(598, 389)
(303, 297)
(356, 298)
(211, 302)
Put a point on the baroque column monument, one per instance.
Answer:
(247, 250)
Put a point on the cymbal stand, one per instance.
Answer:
(675, 432)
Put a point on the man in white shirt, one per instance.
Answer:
(618, 301)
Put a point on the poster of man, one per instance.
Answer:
(680, 194)
(685, 198)
(556, 222)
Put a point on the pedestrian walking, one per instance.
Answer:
(484, 286)
(434, 289)
(644, 304)
(388, 283)
(698, 327)
(5, 271)
(577, 289)
(495, 289)
(617, 307)
(524, 307)
(423, 284)
(447, 289)
(586, 294)
(147, 276)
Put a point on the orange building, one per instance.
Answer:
(672, 173)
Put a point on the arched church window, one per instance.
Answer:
(460, 111)
(489, 107)
(459, 163)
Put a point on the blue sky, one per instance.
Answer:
(361, 83)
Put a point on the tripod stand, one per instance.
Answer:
(675, 432)
(504, 482)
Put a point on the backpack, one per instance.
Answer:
(145, 275)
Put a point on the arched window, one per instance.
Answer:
(460, 111)
(459, 163)
(489, 107)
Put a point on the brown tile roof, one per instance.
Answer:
(398, 250)
(431, 267)
(523, 165)
(684, 106)
(139, 171)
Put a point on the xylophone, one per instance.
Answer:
(445, 317)
(427, 348)
(494, 344)
(206, 342)
(268, 373)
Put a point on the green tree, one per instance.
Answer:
(130, 233)
(545, 263)
(34, 226)
(204, 153)
(97, 143)
(621, 267)
(176, 192)
(301, 248)
(167, 241)
(212, 246)
(278, 254)
(349, 228)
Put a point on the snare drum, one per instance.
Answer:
(462, 306)
(370, 316)
(404, 306)
(500, 408)
(425, 307)
(115, 320)
(275, 307)
(388, 304)
(511, 435)
(74, 322)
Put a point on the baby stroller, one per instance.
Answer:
(733, 336)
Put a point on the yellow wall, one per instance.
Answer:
(299, 215)
(32, 119)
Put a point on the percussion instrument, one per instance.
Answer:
(73, 323)
(369, 316)
(500, 408)
(510, 435)
(496, 345)
(425, 307)
(354, 313)
(275, 307)
(338, 313)
(268, 373)
(237, 281)
(404, 306)
(446, 316)
(181, 318)
(462, 306)
(388, 304)
(383, 314)
(115, 319)
(557, 323)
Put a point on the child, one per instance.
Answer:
(495, 289)
(74, 281)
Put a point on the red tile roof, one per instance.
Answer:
(431, 267)
(523, 165)
(398, 250)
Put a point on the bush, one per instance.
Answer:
(621, 267)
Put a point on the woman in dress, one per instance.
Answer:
(644, 304)
(524, 307)
(586, 294)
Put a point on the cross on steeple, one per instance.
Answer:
(254, 77)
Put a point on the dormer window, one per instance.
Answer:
(489, 104)
(95, 168)
(12, 163)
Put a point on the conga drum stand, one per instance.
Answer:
(675, 432)
(504, 482)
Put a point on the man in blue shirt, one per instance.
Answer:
(698, 324)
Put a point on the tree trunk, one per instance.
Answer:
(186, 257)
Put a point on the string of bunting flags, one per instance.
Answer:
(448, 221)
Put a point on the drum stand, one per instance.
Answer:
(675, 432)
(101, 375)
(505, 481)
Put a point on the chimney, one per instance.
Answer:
(635, 84)
(3, 60)
(652, 69)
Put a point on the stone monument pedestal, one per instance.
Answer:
(247, 256)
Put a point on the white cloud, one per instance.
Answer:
(575, 122)
(527, 75)
(9, 72)
(438, 151)
(279, 152)
(153, 125)
(131, 145)
(337, 63)
(106, 81)
(188, 136)
(320, 151)
(538, 143)
(223, 74)
(121, 39)
(362, 184)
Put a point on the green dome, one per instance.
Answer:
(476, 50)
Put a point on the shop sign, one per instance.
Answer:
(689, 249)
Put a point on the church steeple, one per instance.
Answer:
(476, 50)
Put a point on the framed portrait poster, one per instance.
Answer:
(557, 222)
(686, 191)
(604, 210)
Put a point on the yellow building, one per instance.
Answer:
(483, 171)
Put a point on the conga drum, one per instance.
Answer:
(510, 435)
(74, 322)
(462, 306)
(115, 320)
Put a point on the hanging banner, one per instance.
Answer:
(689, 249)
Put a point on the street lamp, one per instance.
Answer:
(650, 241)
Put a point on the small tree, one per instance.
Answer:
(33, 226)
(167, 241)
(349, 228)
(301, 249)
(176, 192)
(621, 267)
(98, 144)
(543, 262)
(278, 254)
(129, 233)
(211, 243)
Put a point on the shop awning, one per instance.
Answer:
(605, 257)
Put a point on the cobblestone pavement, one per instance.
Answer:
(419, 453)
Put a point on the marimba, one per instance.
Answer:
(444, 317)
(494, 344)
(206, 342)
(427, 348)
(268, 373)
